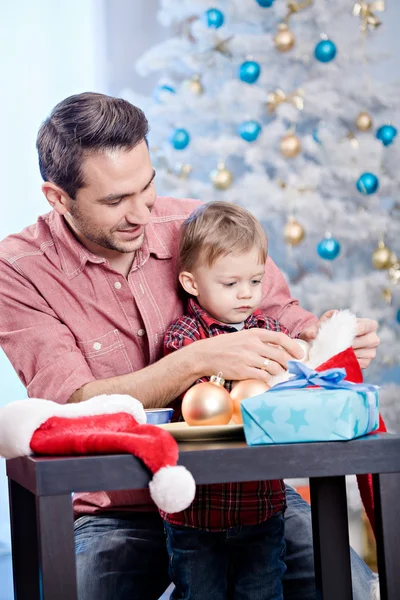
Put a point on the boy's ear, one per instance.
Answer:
(188, 282)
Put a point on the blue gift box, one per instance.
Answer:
(337, 410)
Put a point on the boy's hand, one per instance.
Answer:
(249, 354)
(365, 343)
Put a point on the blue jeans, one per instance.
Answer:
(121, 557)
(242, 563)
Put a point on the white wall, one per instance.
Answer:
(48, 50)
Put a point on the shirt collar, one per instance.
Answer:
(209, 323)
(74, 255)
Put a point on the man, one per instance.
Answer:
(87, 295)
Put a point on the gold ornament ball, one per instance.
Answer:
(381, 257)
(364, 121)
(245, 389)
(195, 86)
(284, 39)
(293, 232)
(290, 145)
(207, 403)
(221, 177)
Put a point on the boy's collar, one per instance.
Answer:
(208, 322)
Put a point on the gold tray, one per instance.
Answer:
(185, 433)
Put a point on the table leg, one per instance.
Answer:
(24, 540)
(56, 547)
(331, 538)
(387, 530)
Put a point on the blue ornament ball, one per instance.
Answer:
(214, 18)
(249, 71)
(386, 134)
(325, 51)
(367, 184)
(162, 91)
(249, 130)
(265, 3)
(179, 139)
(328, 248)
(398, 316)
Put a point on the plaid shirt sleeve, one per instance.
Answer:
(184, 331)
(274, 325)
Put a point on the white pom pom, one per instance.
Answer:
(172, 489)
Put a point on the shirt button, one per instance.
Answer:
(117, 285)
(141, 332)
(97, 346)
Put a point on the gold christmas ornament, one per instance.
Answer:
(290, 145)
(195, 86)
(364, 121)
(387, 295)
(381, 256)
(364, 10)
(296, 7)
(208, 403)
(284, 39)
(245, 389)
(275, 98)
(221, 177)
(293, 232)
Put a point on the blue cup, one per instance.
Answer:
(158, 416)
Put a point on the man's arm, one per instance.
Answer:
(44, 353)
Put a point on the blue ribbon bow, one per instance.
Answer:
(331, 379)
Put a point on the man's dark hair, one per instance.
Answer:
(82, 124)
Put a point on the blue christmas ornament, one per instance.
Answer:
(386, 134)
(179, 139)
(162, 91)
(249, 71)
(214, 18)
(249, 130)
(367, 184)
(325, 51)
(328, 248)
(398, 316)
(265, 3)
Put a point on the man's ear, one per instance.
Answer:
(56, 197)
(188, 282)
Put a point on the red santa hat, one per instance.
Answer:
(332, 349)
(106, 424)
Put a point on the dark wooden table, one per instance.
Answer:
(42, 518)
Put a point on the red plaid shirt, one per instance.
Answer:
(217, 507)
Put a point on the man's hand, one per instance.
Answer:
(365, 343)
(249, 354)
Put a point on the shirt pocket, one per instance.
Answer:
(106, 355)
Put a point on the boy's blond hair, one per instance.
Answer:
(216, 229)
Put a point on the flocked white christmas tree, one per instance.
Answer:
(271, 104)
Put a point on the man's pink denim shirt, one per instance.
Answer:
(66, 318)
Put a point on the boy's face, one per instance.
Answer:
(230, 290)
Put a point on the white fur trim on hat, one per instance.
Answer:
(334, 336)
(19, 420)
(172, 489)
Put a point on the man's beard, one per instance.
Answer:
(99, 237)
